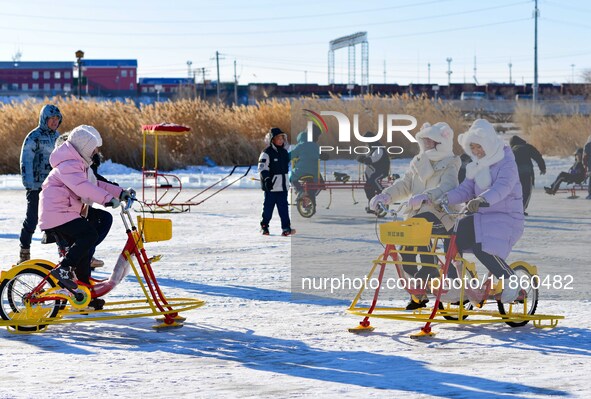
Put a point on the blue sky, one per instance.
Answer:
(287, 42)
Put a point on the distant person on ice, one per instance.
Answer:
(524, 154)
(587, 163)
(377, 167)
(34, 164)
(273, 173)
(306, 156)
(576, 174)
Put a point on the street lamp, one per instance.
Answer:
(79, 56)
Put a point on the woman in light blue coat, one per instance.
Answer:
(492, 178)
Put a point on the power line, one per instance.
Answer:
(267, 32)
(216, 21)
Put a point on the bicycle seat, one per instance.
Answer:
(51, 236)
(306, 178)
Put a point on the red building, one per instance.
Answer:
(109, 77)
(36, 78)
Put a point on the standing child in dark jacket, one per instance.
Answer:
(273, 171)
(524, 153)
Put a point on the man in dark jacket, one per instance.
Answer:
(524, 154)
(35, 167)
(587, 162)
(273, 171)
(377, 167)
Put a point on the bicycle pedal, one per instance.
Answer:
(155, 258)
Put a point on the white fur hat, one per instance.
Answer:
(94, 132)
(441, 133)
(481, 132)
(84, 139)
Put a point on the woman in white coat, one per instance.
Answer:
(432, 172)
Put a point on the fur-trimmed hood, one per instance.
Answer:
(483, 133)
(441, 133)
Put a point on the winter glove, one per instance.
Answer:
(543, 171)
(364, 159)
(382, 198)
(474, 204)
(416, 201)
(127, 194)
(113, 203)
(268, 184)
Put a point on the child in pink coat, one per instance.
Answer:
(65, 191)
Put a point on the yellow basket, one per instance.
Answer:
(414, 231)
(154, 229)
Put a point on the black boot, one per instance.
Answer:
(96, 303)
(417, 302)
(63, 275)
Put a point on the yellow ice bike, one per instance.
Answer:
(478, 297)
(31, 299)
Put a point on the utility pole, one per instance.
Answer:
(535, 88)
(203, 74)
(217, 61)
(306, 77)
(510, 77)
(189, 63)
(384, 71)
(429, 73)
(475, 78)
(449, 71)
(572, 73)
(235, 85)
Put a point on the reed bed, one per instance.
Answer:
(558, 135)
(226, 134)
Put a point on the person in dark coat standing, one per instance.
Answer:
(273, 172)
(524, 154)
(587, 163)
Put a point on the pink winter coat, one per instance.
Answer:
(67, 183)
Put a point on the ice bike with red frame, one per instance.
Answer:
(477, 303)
(31, 298)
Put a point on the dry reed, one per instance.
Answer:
(226, 134)
(557, 135)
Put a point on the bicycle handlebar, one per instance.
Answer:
(129, 202)
(445, 207)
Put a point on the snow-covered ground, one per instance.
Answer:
(252, 339)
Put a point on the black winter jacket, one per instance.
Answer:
(524, 154)
(274, 165)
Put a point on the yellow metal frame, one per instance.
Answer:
(516, 312)
(155, 133)
(72, 310)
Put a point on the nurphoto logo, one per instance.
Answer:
(388, 125)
